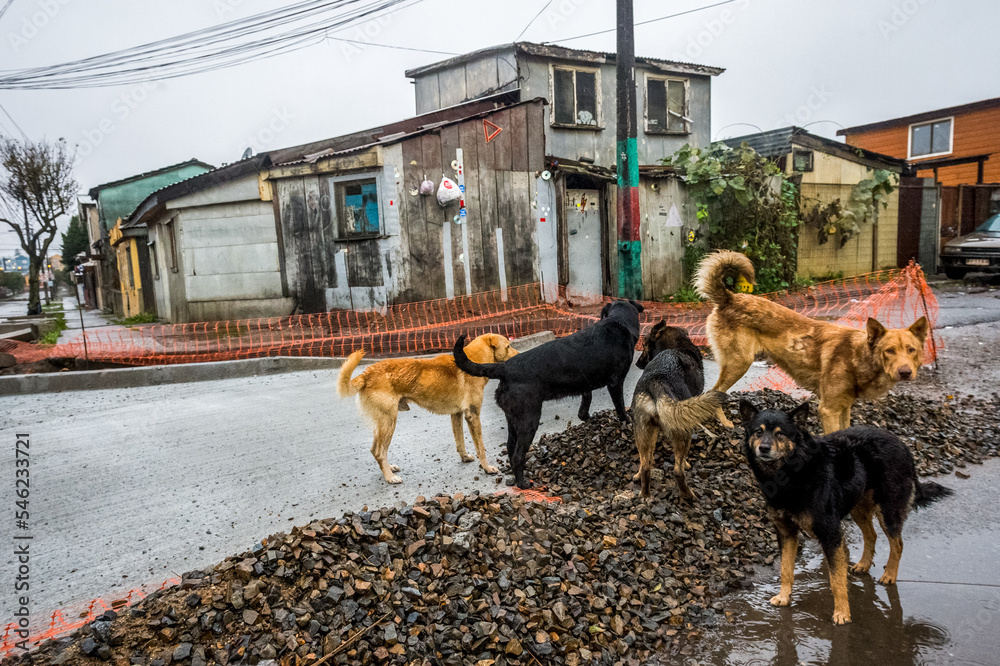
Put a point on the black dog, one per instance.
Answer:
(812, 483)
(668, 399)
(598, 356)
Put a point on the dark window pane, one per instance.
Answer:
(676, 104)
(360, 207)
(920, 140)
(656, 104)
(586, 98)
(941, 137)
(565, 112)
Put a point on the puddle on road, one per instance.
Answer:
(911, 623)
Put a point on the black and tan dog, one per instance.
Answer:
(668, 399)
(811, 484)
(598, 356)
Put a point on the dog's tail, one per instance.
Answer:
(345, 385)
(713, 269)
(929, 491)
(684, 416)
(490, 370)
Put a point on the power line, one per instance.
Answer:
(646, 22)
(390, 46)
(5, 8)
(542, 11)
(228, 44)
(6, 113)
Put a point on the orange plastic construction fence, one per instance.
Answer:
(64, 621)
(895, 297)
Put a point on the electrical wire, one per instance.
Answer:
(542, 11)
(4, 9)
(646, 22)
(236, 42)
(390, 46)
(6, 113)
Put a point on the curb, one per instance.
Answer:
(89, 380)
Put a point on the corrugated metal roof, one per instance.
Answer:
(94, 191)
(773, 143)
(776, 143)
(564, 53)
(194, 184)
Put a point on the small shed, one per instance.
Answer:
(828, 170)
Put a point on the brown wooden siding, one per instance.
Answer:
(975, 133)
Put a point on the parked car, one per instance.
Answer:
(977, 252)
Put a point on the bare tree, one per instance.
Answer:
(36, 189)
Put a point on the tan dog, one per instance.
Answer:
(838, 363)
(436, 384)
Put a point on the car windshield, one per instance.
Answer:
(992, 224)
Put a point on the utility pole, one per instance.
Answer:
(629, 244)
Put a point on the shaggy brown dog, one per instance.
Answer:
(436, 384)
(838, 363)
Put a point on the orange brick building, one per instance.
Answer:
(959, 145)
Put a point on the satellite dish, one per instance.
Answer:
(247, 154)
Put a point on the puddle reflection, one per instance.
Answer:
(880, 633)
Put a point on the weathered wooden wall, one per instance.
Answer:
(500, 188)
(421, 253)
(663, 204)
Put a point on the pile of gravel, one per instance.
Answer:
(597, 577)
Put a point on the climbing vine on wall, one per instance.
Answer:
(837, 218)
(748, 204)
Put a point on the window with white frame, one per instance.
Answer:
(931, 138)
(667, 105)
(576, 95)
(356, 206)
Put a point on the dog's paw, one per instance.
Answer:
(583, 416)
(781, 600)
(392, 478)
(726, 423)
(841, 617)
(860, 568)
(467, 458)
(489, 469)
(887, 579)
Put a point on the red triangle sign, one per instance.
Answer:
(490, 130)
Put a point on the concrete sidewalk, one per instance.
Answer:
(93, 320)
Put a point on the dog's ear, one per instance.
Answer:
(748, 412)
(605, 310)
(658, 326)
(637, 306)
(800, 414)
(920, 328)
(875, 331)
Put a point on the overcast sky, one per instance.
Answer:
(787, 62)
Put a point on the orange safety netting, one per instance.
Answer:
(896, 297)
(64, 621)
